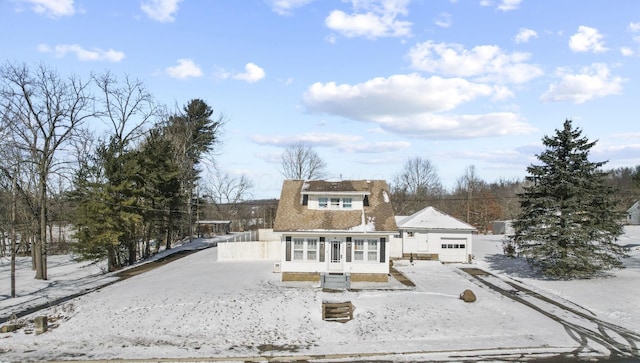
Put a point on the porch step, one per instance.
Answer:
(335, 281)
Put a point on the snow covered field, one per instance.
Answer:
(198, 307)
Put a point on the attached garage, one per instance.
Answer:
(432, 234)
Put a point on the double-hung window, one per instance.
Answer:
(358, 250)
(346, 203)
(366, 250)
(323, 202)
(305, 249)
(312, 249)
(372, 250)
(298, 249)
(335, 203)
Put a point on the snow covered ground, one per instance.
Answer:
(198, 307)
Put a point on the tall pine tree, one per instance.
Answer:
(568, 225)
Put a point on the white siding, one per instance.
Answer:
(430, 242)
(324, 266)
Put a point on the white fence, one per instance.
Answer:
(263, 244)
(251, 250)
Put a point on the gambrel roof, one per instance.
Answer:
(293, 215)
(430, 218)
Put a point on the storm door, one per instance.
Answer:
(335, 255)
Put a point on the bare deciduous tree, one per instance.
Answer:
(228, 192)
(128, 107)
(300, 161)
(224, 188)
(416, 186)
(43, 111)
(419, 177)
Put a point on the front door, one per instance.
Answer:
(335, 255)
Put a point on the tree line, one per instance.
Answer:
(122, 189)
(473, 200)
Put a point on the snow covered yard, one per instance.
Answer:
(200, 307)
(614, 298)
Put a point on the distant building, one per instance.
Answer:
(210, 228)
(502, 227)
(633, 214)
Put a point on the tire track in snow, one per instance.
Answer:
(581, 327)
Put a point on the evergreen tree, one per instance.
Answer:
(568, 225)
(192, 133)
(108, 215)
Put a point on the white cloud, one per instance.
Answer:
(396, 95)
(285, 7)
(371, 19)
(443, 20)
(504, 5)
(312, 139)
(634, 27)
(587, 39)
(626, 51)
(160, 10)
(488, 62)
(345, 143)
(95, 54)
(374, 147)
(591, 82)
(252, 74)
(524, 35)
(412, 105)
(507, 5)
(436, 126)
(51, 8)
(186, 68)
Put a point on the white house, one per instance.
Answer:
(633, 214)
(335, 228)
(432, 234)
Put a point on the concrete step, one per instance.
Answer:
(335, 281)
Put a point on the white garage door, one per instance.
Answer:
(453, 250)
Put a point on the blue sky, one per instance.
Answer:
(367, 83)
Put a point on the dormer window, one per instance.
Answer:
(329, 200)
(335, 203)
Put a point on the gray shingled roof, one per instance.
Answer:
(293, 216)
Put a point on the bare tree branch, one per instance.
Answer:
(300, 161)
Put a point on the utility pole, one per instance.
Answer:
(14, 207)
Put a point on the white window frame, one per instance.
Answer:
(373, 250)
(309, 250)
(302, 249)
(358, 250)
(366, 250)
(323, 202)
(347, 203)
(298, 249)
